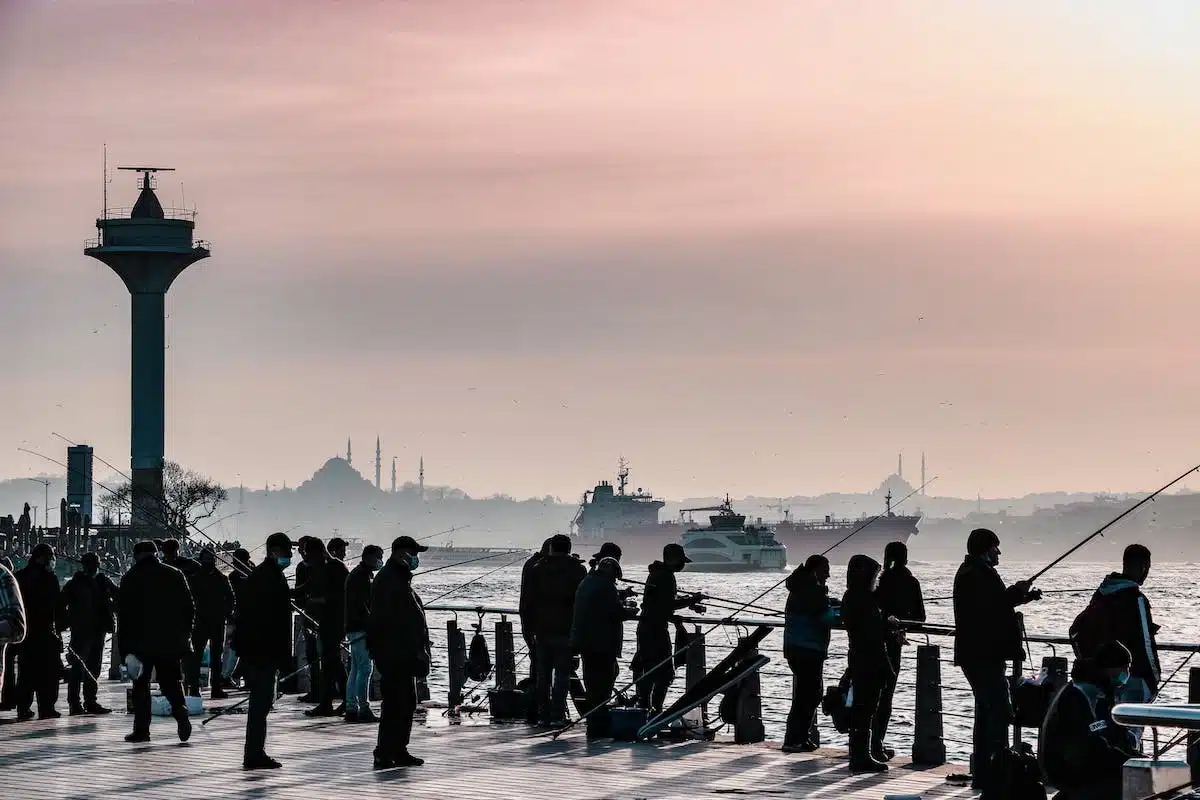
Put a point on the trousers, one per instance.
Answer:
(553, 677)
(993, 714)
(169, 683)
(211, 639)
(86, 653)
(808, 685)
(884, 714)
(260, 680)
(358, 683)
(39, 674)
(333, 672)
(395, 712)
(599, 678)
(656, 668)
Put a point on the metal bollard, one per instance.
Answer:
(697, 667)
(506, 659)
(1193, 738)
(748, 728)
(456, 645)
(929, 748)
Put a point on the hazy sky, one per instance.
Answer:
(753, 246)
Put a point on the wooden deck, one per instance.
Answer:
(83, 758)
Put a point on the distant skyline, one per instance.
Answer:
(753, 247)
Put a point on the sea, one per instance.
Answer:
(1171, 588)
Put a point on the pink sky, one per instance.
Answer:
(755, 247)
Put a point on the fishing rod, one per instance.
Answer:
(1114, 521)
(714, 599)
(473, 580)
(441, 533)
(1043, 591)
(470, 561)
(693, 639)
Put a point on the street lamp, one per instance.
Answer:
(35, 508)
(46, 484)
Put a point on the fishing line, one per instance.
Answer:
(471, 561)
(1043, 591)
(473, 580)
(697, 637)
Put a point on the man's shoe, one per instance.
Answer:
(219, 694)
(262, 762)
(96, 708)
(407, 759)
(51, 714)
(340, 710)
(367, 716)
(25, 714)
(803, 747)
(185, 728)
(383, 763)
(859, 766)
(137, 737)
(75, 710)
(307, 698)
(322, 710)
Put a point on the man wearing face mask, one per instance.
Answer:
(90, 600)
(987, 633)
(262, 634)
(1082, 750)
(654, 658)
(358, 611)
(40, 660)
(214, 607)
(398, 640)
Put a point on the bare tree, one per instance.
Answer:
(188, 497)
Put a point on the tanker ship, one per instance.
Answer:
(610, 513)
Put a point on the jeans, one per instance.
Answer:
(260, 680)
(395, 713)
(169, 683)
(553, 677)
(87, 650)
(358, 684)
(808, 685)
(993, 715)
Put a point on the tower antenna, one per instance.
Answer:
(104, 180)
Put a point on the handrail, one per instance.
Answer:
(926, 628)
(168, 213)
(1144, 715)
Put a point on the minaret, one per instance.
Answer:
(421, 478)
(148, 250)
(378, 463)
(922, 472)
(349, 453)
(393, 474)
(900, 465)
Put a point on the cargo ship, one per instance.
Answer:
(611, 513)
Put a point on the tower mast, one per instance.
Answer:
(378, 462)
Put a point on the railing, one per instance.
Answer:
(98, 241)
(931, 713)
(168, 213)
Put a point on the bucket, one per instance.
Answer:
(624, 723)
(161, 707)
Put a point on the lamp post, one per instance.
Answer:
(45, 484)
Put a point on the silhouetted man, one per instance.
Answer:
(987, 633)
(358, 612)
(263, 638)
(554, 580)
(214, 607)
(154, 632)
(40, 658)
(90, 601)
(398, 640)
(331, 618)
(230, 672)
(526, 609)
(308, 594)
(598, 634)
(655, 654)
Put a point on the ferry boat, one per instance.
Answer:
(728, 544)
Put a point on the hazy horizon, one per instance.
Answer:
(753, 248)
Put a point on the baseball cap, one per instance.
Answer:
(279, 540)
(408, 544)
(676, 551)
(608, 550)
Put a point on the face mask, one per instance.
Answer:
(414, 561)
(1121, 679)
(283, 561)
(376, 565)
(992, 559)
(50, 566)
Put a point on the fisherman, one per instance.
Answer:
(987, 633)
(306, 598)
(553, 584)
(331, 621)
(172, 558)
(809, 616)
(358, 611)
(40, 661)
(398, 640)
(899, 596)
(1082, 750)
(213, 596)
(597, 635)
(154, 631)
(607, 550)
(230, 669)
(89, 602)
(868, 630)
(12, 622)
(262, 632)
(525, 610)
(655, 668)
(1131, 623)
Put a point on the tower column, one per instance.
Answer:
(148, 407)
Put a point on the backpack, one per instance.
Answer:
(836, 703)
(479, 660)
(1092, 628)
(1015, 775)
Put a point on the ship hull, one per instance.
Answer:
(715, 567)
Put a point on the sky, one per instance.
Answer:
(757, 247)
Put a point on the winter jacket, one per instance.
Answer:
(358, 598)
(188, 566)
(262, 627)
(899, 595)
(332, 615)
(43, 608)
(526, 603)
(659, 598)
(553, 583)
(986, 629)
(214, 598)
(155, 611)
(1132, 625)
(599, 621)
(237, 582)
(397, 634)
(89, 604)
(868, 632)
(809, 615)
(1081, 747)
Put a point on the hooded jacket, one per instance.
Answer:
(986, 629)
(358, 598)
(809, 615)
(599, 622)
(1132, 625)
(526, 603)
(1081, 747)
(43, 607)
(89, 604)
(659, 599)
(553, 582)
(899, 594)
(865, 624)
(214, 598)
(156, 611)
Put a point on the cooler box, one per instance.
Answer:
(624, 723)
(505, 704)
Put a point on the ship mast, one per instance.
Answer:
(622, 475)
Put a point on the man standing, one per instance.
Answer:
(230, 671)
(597, 634)
(214, 607)
(154, 632)
(526, 609)
(331, 620)
(40, 660)
(308, 597)
(263, 639)
(358, 612)
(554, 582)
(90, 599)
(398, 640)
(987, 633)
(12, 616)
(655, 653)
